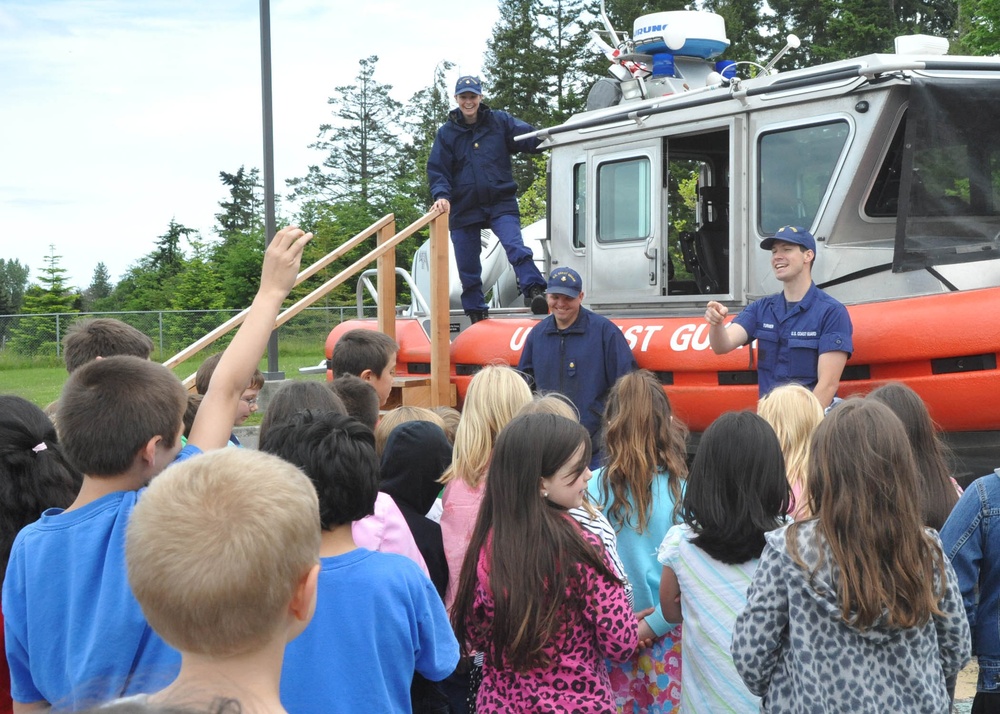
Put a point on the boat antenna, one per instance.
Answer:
(792, 42)
(616, 41)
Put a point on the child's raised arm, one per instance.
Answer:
(214, 422)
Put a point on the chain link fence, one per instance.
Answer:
(40, 336)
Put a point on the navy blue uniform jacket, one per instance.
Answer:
(582, 362)
(470, 165)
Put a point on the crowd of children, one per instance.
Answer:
(440, 562)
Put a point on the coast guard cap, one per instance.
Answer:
(791, 234)
(565, 281)
(468, 83)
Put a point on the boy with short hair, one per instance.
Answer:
(368, 354)
(379, 618)
(223, 554)
(360, 399)
(74, 633)
(248, 401)
(89, 339)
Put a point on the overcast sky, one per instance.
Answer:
(118, 115)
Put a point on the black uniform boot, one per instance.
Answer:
(477, 315)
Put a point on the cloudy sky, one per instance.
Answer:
(117, 115)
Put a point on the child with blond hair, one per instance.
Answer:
(494, 397)
(223, 557)
(793, 412)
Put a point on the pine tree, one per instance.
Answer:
(99, 290)
(425, 112)
(516, 69)
(239, 254)
(564, 26)
(50, 299)
(362, 147)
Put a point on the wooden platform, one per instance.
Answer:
(414, 392)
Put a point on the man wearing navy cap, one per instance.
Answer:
(576, 352)
(803, 335)
(471, 179)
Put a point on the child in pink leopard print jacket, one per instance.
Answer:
(537, 594)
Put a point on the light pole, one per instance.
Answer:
(269, 222)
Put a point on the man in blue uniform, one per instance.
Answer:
(471, 179)
(576, 352)
(803, 335)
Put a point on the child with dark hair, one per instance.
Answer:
(416, 454)
(75, 634)
(100, 337)
(294, 396)
(374, 608)
(639, 490)
(34, 476)
(938, 491)
(384, 529)
(360, 398)
(537, 594)
(856, 609)
(736, 492)
(369, 355)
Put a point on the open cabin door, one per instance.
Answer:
(625, 235)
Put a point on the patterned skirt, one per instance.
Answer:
(650, 682)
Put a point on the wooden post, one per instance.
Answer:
(387, 283)
(440, 299)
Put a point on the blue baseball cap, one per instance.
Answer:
(468, 83)
(565, 281)
(791, 234)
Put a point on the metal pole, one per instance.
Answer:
(269, 223)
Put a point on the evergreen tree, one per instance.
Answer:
(50, 299)
(425, 112)
(837, 29)
(564, 26)
(13, 282)
(516, 69)
(99, 290)
(362, 147)
(149, 283)
(196, 289)
(980, 27)
(168, 258)
(239, 254)
(243, 212)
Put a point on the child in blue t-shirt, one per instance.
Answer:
(378, 619)
(84, 639)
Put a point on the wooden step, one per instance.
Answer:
(414, 392)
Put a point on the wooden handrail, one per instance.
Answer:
(385, 254)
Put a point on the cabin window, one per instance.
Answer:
(795, 169)
(949, 189)
(580, 205)
(624, 200)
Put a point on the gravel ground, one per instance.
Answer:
(965, 690)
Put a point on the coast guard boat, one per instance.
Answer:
(660, 193)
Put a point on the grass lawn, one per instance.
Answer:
(40, 381)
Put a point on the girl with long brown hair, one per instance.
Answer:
(938, 490)
(638, 491)
(537, 595)
(859, 600)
